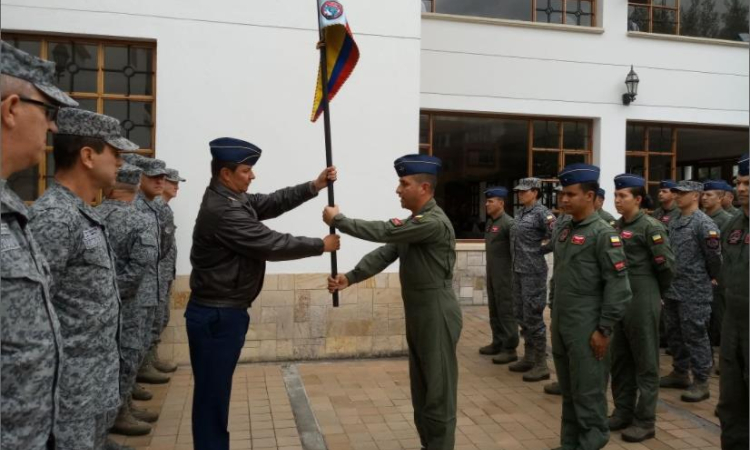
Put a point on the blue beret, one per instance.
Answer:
(497, 191)
(728, 187)
(628, 180)
(667, 184)
(744, 169)
(579, 173)
(715, 185)
(235, 150)
(416, 164)
(601, 193)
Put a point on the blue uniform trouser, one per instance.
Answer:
(215, 337)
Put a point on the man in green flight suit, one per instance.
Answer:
(425, 244)
(592, 293)
(666, 212)
(499, 283)
(601, 195)
(635, 345)
(733, 385)
(728, 201)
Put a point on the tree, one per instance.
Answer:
(735, 19)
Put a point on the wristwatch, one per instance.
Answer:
(605, 331)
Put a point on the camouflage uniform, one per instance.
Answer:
(30, 334)
(149, 293)
(696, 244)
(166, 265)
(136, 249)
(532, 225)
(84, 294)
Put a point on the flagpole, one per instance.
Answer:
(327, 131)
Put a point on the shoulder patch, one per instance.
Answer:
(620, 266)
(657, 239)
(735, 237)
(564, 235)
(712, 243)
(615, 241)
(659, 260)
(417, 219)
(397, 222)
(713, 234)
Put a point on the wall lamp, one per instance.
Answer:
(631, 82)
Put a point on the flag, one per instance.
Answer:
(341, 51)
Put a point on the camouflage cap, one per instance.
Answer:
(129, 174)
(79, 122)
(174, 176)
(19, 64)
(688, 186)
(152, 167)
(528, 183)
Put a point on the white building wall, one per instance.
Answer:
(247, 69)
(490, 66)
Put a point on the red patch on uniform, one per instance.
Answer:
(620, 266)
(735, 237)
(665, 219)
(578, 239)
(712, 243)
(564, 235)
(626, 234)
(495, 229)
(397, 222)
(660, 260)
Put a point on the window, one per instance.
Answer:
(670, 151)
(718, 19)
(116, 78)
(570, 12)
(482, 151)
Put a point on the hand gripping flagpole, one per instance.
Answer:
(327, 131)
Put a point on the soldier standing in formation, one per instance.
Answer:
(601, 195)
(667, 210)
(696, 244)
(84, 290)
(136, 253)
(532, 225)
(499, 284)
(728, 201)
(635, 344)
(425, 245)
(592, 293)
(733, 384)
(31, 341)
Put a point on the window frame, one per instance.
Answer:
(534, 7)
(651, 8)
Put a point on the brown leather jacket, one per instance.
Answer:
(231, 245)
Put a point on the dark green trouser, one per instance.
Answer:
(433, 326)
(733, 385)
(717, 317)
(583, 382)
(502, 320)
(635, 355)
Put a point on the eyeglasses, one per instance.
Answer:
(50, 111)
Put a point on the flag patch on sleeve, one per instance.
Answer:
(615, 240)
(397, 222)
(658, 239)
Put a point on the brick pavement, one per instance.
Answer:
(365, 405)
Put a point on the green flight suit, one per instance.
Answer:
(635, 344)
(500, 283)
(720, 218)
(591, 290)
(733, 385)
(665, 216)
(425, 244)
(607, 217)
(731, 210)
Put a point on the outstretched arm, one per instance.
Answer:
(370, 265)
(269, 206)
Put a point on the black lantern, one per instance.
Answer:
(631, 81)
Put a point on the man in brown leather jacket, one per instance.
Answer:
(230, 248)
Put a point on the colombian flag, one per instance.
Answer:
(341, 51)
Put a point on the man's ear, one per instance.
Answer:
(87, 157)
(8, 111)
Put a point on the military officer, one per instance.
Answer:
(532, 225)
(667, 210)
(697, 247)
(733, 385)
(167, 264)
(713, 194)
(601, 195)
(84, 292)
(592, 293)
(136, 251)
(425, 244)
(728, 201)
(29, 329)
(230, 248)
(635, 345)
(499, 285)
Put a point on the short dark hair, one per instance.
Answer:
(588, 187)
(427, 178)
(67, 148)
(646, 201)
(217, 165)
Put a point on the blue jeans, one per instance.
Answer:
(215, 337)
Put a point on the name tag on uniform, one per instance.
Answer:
(578, 239)
(92, 238)
(7, 240)
(626, 234)
(665, 219)
(735, 237)
(495, 229)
